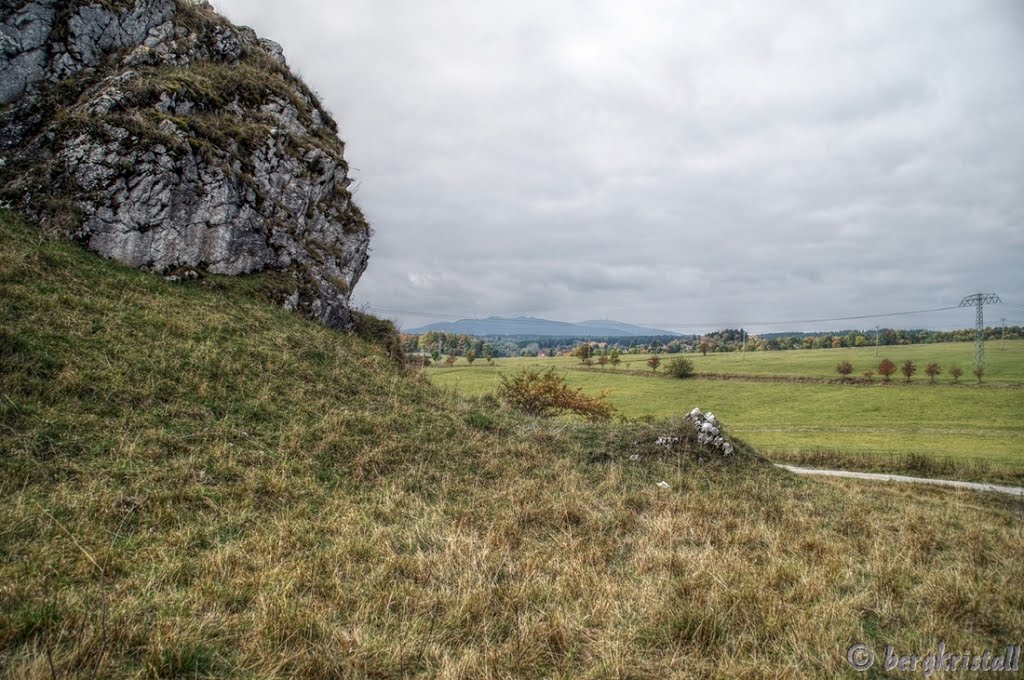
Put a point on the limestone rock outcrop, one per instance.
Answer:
(158, 134)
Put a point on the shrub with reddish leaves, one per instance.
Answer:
(545, 393)
(886, 369)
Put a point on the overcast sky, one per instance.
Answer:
(670, 162)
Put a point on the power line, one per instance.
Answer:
(669, 324)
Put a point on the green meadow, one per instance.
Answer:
(1004, 362)
(870, 426)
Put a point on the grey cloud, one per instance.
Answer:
(674, 162)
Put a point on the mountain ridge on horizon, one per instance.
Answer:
(533, 326)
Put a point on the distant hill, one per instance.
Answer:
(628, 328)
(530, 326)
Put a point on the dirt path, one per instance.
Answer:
(971, 486)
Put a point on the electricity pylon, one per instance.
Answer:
(979, 300)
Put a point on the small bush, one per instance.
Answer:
(932, 370)
(545, 393)
(380, 332)
(979, 372)
(681, 367)
(956, 372)
(908, 369)
(886, 369)
(844, 368)
(654, 362)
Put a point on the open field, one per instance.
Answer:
(790, 421)
(195, 483)
(1001, 365)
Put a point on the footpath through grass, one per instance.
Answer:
(196, 484)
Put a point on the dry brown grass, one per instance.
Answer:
(194, 484)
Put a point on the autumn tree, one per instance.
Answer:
(704, 346)
(654, 362)
(932, 370)
(450, 360)
(956, 372)
(844, 368)
(471, 356)
(979, 372)
(886, 369)
(602, 360)
(545, 393)
(908, 369)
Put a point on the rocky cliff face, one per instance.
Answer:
(158, 134)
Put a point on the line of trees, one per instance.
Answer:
(439, 344)
(886, 368)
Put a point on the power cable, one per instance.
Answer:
(669, 324)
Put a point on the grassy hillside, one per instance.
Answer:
(196, 484)
(872, 426)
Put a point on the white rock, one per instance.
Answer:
(663, 485)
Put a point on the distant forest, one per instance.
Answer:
(438, 344)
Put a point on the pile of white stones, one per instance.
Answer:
(709, 431)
